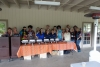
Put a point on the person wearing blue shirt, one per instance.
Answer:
(40, 35)
(47, 34)
(53, 34)
(78, 39)
(59, 33)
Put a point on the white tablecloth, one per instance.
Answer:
(88, 64)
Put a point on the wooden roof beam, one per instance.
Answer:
(17, 3)
(5, 3)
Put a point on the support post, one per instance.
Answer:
(95, 33)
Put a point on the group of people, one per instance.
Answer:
(67, 34)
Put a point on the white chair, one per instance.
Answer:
(46, 40)
(51, 40)
(56, 40)
(25, 41)
(31, 41)
(39, 41)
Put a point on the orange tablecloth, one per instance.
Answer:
(27, 50)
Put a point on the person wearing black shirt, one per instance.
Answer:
(72, 34)
(53, 34)
(78, 36)
(47, 35)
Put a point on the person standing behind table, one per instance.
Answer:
(31, 33)
(24, 34)
(8, 33)
(47, 34)
(37, 30)
(40, 35)
(15, 32)
(67, 38)
(67, 35)
(53, 34)
(72, 33)
(78, 36)
(68, 27)
(75, 27)
(47, 27)
(59, 33)
(55, 29)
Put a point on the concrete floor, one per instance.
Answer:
(54, 61)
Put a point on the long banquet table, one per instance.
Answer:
(29, 49)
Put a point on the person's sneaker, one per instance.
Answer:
(79, 50)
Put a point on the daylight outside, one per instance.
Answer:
(2, 28)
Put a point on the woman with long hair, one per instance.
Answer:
(72, 33)
(47, 34)
(40, 35)
(15, 32)
(78, 39)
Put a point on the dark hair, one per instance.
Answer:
(74, 26)
(55, 26)
(58, 26)
(40, 31)
(52, 29)
(30, 26)
(9, 28)
(24, 27)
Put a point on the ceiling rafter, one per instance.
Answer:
(85, 8)
(88, 10)
(83, 3)
(48, 7)
(5, 3)
(28, 1)
(63, 2)
(39, 5)
(73, 3)
(17, 3)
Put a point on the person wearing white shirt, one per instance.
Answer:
(67, 38)
(66, 35)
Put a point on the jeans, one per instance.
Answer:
(72, 40)
(77, 44)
